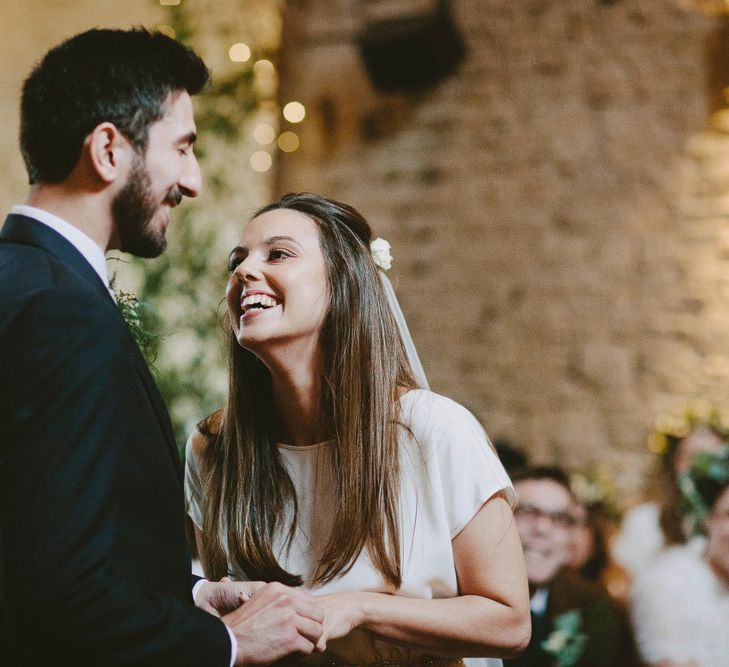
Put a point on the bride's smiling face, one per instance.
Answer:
(277, 291)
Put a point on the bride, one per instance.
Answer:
(331, 467)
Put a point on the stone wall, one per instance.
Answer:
(558, 209)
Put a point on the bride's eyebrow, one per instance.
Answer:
(273, 240)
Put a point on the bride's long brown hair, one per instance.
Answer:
(364, 367)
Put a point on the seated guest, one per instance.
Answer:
(681, 605)
(659, 523)
(574, 622)
(596, 520)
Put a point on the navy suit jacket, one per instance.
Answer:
(94, 567)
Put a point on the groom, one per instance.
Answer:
(94, 568)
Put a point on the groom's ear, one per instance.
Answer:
(109, 153)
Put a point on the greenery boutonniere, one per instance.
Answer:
(130, 309)
(566, 643)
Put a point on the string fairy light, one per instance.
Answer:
(294, 112)
(288, 142)
(261, 161)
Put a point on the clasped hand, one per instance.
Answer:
(269, 620)
(222, 597)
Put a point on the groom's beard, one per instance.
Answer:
(133, 210)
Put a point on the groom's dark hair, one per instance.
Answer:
(121, 76)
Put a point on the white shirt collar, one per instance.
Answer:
(84, 244)
(538, 603)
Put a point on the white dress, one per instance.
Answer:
(448, 471)
(680, 609)
(640, 539)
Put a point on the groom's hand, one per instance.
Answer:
(222, 597)
(275, 622)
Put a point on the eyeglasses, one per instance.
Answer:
(532, 513)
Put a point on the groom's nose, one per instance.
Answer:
(190, 181)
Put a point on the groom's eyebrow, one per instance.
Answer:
(188, 139)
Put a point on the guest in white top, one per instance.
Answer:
(681, 605)
(652, 526)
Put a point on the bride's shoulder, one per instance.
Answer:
(426, 413)
(204, 433)
(426, 402)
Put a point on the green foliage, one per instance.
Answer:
(707, 476)
(566, 643)
(131, 310)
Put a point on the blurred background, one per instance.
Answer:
(553, 176)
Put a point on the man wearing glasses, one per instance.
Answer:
(573, 621)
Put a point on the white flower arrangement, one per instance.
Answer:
(380, 250)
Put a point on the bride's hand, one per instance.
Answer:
(221, 597)
(343, 612)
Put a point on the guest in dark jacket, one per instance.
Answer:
(574, 622)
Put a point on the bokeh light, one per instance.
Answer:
(239, 52)
(263, 67)
(288, 142)
(264, 134)
(294, 112)
(265, 79)
(261, 161)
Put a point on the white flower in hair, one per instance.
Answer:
(380, 250)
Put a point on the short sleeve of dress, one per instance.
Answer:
(193, 485)
(461, 458)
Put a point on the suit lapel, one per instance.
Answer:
(27, 231)
(155, 398)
